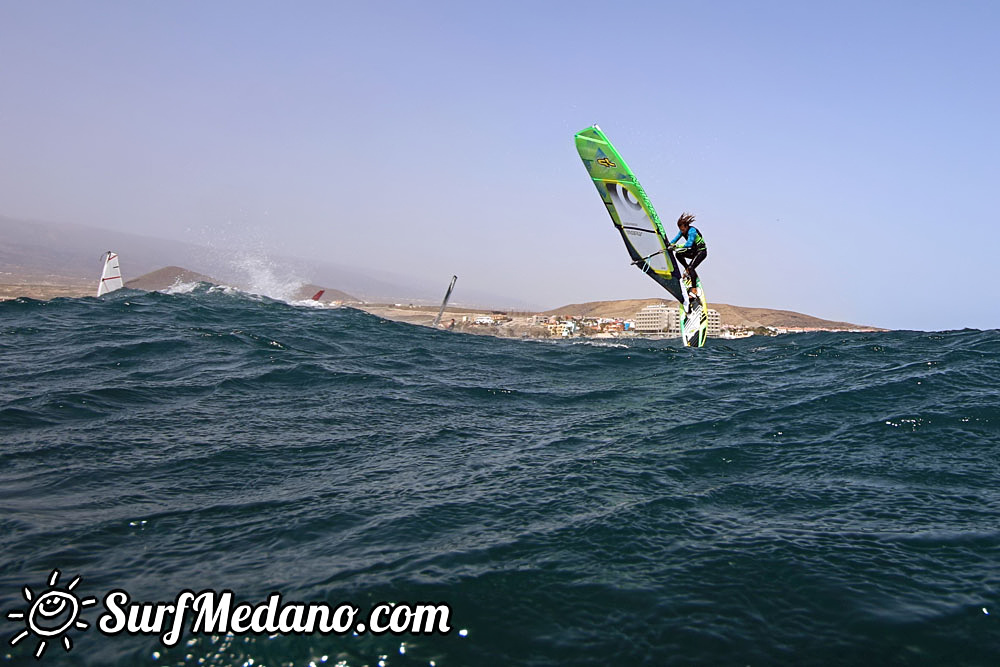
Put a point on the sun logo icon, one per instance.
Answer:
(51, 614)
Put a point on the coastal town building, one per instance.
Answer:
(654, 318)
(664, 318)
(562, 328)
(714, 323)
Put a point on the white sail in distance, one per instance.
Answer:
(111, 274)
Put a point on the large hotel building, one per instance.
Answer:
(663, 318)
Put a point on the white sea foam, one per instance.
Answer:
(180, 287)
(228, 289)
(598, 343)
(309, 303)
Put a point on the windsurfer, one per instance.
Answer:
(691, 252)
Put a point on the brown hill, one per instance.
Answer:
(307, 291)
(166, 277)
(779, 319)
(731, 316)
(624, 309)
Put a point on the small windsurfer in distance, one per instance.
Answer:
(691, 253)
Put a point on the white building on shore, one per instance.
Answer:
(663, 318)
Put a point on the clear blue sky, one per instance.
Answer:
(841, 158)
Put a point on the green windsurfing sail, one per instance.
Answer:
(630, 209)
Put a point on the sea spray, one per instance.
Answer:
(259, 274)
(242, 256)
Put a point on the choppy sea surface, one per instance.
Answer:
(811, 499)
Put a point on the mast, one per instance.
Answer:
(444, 303)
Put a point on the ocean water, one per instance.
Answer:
(812, 499)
